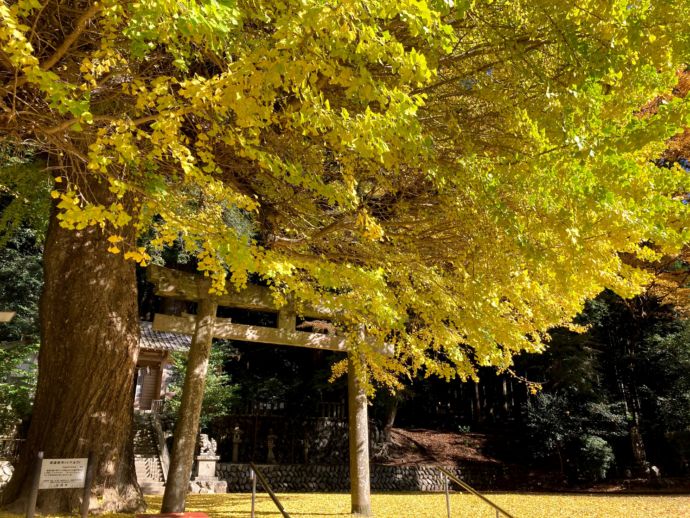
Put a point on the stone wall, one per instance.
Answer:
(297, 440)
(300, 477)
(5, 472)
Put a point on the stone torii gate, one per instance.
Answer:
(204, 326)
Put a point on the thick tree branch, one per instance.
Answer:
(64, 126)
(69, 41)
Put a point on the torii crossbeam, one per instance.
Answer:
(6, 316)
(204, 326)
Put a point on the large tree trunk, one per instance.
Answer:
(89, 345)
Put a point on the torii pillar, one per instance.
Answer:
(204, 327)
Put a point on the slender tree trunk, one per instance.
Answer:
(187, 426)
(391, 412)
(504, 400)
(639, 451)
(561, 464)
(360, 490)
(477, 403)
(637, 446)
(630, 392)
(86, 363)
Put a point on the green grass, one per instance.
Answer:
(426, 505)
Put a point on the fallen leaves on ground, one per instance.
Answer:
(433, 505)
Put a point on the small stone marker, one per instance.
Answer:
(236, 441)
(271, 442)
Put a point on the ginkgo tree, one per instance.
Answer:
(455, 177)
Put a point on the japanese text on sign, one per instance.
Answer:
(62, 473)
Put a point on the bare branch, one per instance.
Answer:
(69, 41)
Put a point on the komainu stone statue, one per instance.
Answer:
(207, 447)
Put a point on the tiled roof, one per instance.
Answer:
(162, 341)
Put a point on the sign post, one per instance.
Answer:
(88, 481)
(62, 474)
(33, 494)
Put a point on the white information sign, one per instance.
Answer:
(62, 473)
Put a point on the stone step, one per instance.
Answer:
(147, 464)
(147, 469)
(152, 488)
(146, 452)
(143, 479)
(149, 472)
(145, 448)
(146, 480)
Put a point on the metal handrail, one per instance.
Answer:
(163, 454)
(476, 493)
(157, 406)
(268, 489)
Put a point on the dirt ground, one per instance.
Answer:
(421, 446)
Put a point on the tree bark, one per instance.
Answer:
(477, 414)
(86, 363)
(630, 392)
(187, 426)
(360, 491)
(391, 413)
(504, 401)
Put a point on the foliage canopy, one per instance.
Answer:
(21, 280)
(456, 177)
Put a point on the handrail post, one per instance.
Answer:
(473, 491)
(161, 446)
(35, 481)
(88, 482)
(445, 481)
(268, 489)
(252, 476)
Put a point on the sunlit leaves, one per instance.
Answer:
(456, 178)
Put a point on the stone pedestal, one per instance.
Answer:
(206, 466)
(206, 480)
